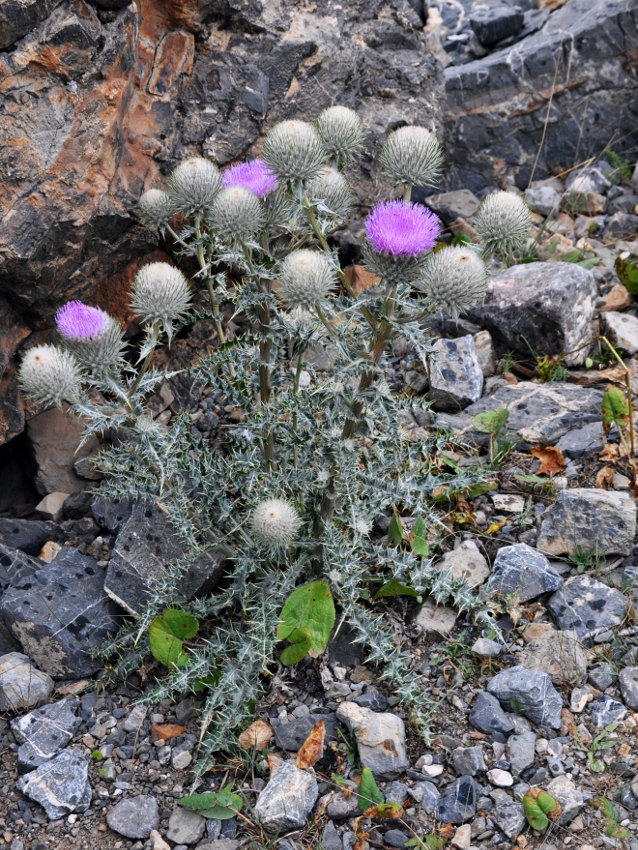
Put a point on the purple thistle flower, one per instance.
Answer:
(253, 175)
(78, 321)
(401, 228)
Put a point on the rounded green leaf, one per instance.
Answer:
(369, 794)
(308, 609)
(165, 634)
(300, 640)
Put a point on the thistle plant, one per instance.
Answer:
(293, 491)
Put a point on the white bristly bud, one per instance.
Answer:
(305, 278)
(412, 155)
(502, 222)
(49, 375)
(99, 351)
(331, 189)
(454, 278)
(293, 151)
(275, 522)
(160, 293)
(342, 133)
(193, 185)
(155, 209)
(237, 214)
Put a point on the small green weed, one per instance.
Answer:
(600, 742)
(622, 167)
(493, 422)
(585, 558)
(612, 828)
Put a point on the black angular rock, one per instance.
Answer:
(44, 732)
(111, 515)
(16, 566)
(60, 614)
(290, 736)
(493, 22)
(28, 535)
(488, 716)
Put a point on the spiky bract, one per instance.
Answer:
(155, 209)
(342, 133)
(502, 222)
(275, 522)
(49, 375)
(293, 151)
(305, 278)
(454, 278)
(237, 214)
(330, 187)
(160, 293)
(413, 156)
(253, 175)
(193, 185)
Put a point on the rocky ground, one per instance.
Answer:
(553, 704)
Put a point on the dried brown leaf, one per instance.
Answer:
(166, 731)
(551, 458)
(256, 736)
(312, 748)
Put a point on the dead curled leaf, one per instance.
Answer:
(256, 736)
(551, 459)
(312, 748)
(604, 477)
(166, 731)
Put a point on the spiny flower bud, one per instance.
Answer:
(305, 278)
(90, 333)
(237, 214)
(155, 209)
(193, 185)
(454, 278)
(275, 522)
(49, 375)
(331, 188)
(342, 133)
(160, 293)
(293, 150)
(412, 155)
(502, 222)
(277, 208)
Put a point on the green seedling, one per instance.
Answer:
(221, 805)
(540, 807)
(370, 797)
(493, 422)
(626, 266)
(600, 742)
(612, 828)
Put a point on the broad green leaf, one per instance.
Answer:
(626, 266)
(395, 588)
(461, 238)
(491, 421)
(308, 609)
(536, 818)
(165, 634)
(615, 409)
(395, 530)
(417, 538)
(475, 490)
(300, 643)
(546, 802)
(369, 794)
(219, 804)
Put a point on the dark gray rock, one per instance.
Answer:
(28, 535)
(508, 814)
(578, 441)
(628, 681)
(587, 606)
(493, 22)
(135, 817)
(287, 799)
(60, 785)
(581, 519)
(111, 515)
(606, 710)
(456, 377)
(16, 567)
(395, 838)
(457, 803)
(453, 205)
(330, 840)
(61, 615)
(621, 225)
(539, 414)
(602, 676)
(488, 716)
(145, 544)
(44, 732)
(522, 570)
(291, 735)
(22, 685)
(185, 827)
(530, 692)
(468, 761)
(570, 798)
(543, 199)
(427, 795)
(542, 305)
(521, 751)
(19, 17)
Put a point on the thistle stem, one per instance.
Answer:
(295, 390)
(155, 331)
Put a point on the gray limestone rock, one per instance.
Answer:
(465, 562)
(521, 751)
(543, 199)
(287, 799)
(493, 22)
(61, 614)
(560, 654)
(185, 827)
(449, 206)
(291, 735)
(19, 17)
(508, 813)
(456, 377)
(628, 681)
(550, 305)
(522, 570)
(431, 617)
(22, 685)
(622, 330)
(16, 566)
(606, 710)
(603, 521)
(570, 798)
(457, 803)
(427, 795)
(587, 606)
(134, 817)
(578, 441)
(468, 761)
(488, 716)
(60, 785)
(330, 840)
(380, 739)
(539, 414)
(44, 732)
(145, 543)
(530, 692)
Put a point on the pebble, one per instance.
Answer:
(530, 692)
(287, 799)
(134, 817)
(185, 827)
(457, 803)
(628, 681)
(500, 778)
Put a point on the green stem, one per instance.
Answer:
(295, 390)
(155, 331)
(407, 192)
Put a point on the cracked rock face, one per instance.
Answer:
(60, 785)
(44, 732)
(522, 570)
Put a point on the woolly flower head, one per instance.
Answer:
(502, 222)
(342, 133)
(193, 185)
(90, 333)
(160, 293)
(49, 375)
(398, 235)
(305, 278)
(412, 155)
(253, 175)
(237, 214)
(293, 150)
(155, 209)
(331, 188)
(454, 278)
(275, 522)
